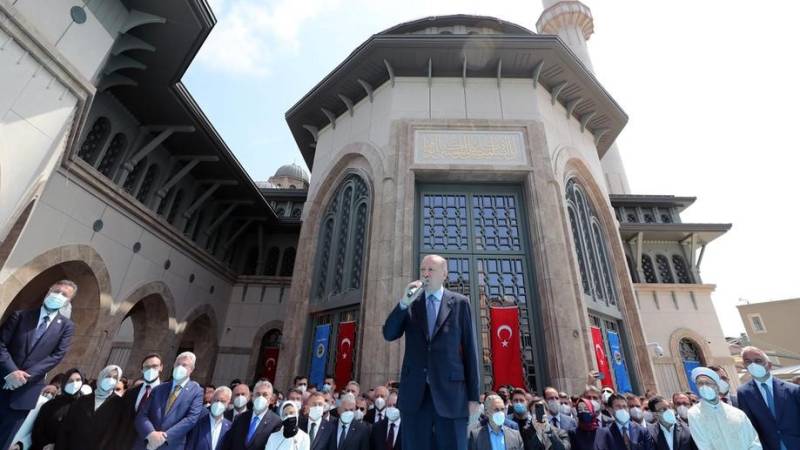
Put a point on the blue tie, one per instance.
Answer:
(432, 313)
(770, 400)
(252, 430)
(41, 329)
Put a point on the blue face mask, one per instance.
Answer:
(107, 384)
(519, 408)
(55, 301)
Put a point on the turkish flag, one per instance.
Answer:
(270, 363)
(506, 347)
(602, 359)
(345, 345)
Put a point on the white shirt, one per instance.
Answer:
(721, 427)
(439, 293)
(299, 441)
(216, 428)
(396, 429)
(143, 389)
(43, 312)
(668, 435)
(379, 415)
(768, 382)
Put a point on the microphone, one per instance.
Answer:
(412, 291)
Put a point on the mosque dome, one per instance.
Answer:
(292, 171)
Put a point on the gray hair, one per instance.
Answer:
(347, 398)
(187, 355)
(66, 282)
(264, 383)
(489, 401)
(223, 390)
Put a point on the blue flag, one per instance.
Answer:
(688, 366)
(319, 355)
(618, 363)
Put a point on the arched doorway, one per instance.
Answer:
(268, 355)
(84, 309)
(691, 357)
(145, 329)
(200, 338)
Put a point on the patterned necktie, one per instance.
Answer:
(432, 310)
(145, 397)
(252, 430)
(41, 329)
(313, 432)
(626, 438)
(390, 438)
(172, 397)
(770, 399)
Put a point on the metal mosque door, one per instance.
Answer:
(482, 231)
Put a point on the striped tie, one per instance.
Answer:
(172, 397)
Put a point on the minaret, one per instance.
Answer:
(572, 22)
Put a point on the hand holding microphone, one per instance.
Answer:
(411, 292)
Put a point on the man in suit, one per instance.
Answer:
(772, 405)
(385, 434)
(315, 425)
(725, 393)
(542, 435)
(241, 398)
(668, 432)
(623, 433)
(440, 375)
(211, 429)
(376, 414)
(173, 410)
(554, 415)
(251, 430)
(137, 398)
(32, 342)
(350, 434)
(494, 435)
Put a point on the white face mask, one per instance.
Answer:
(757, 370)
(240, 401)
(553, 407)
(72, 387)
(668, 417)
(150, 375)
(596, 406)
(302, 388)
(499, 418)
(315, 412)
(622, 416)
(566, 409)
(683, 412)
(259, 404)
(359, 415)
(347, 417)
(217, 409)
(380, 403)
(179, 373)
(392, 414)
(86, 389)
(637, 414)
(606, 395)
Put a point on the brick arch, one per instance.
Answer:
(256, 347)
(674, 348)
(198, 333)
(25, 288)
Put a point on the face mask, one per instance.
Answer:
(72, 387)
(302, 388)
(289, 426)
(757, 370)
(107, 384)
(150, 375)
(217, 408)
(637, 414)
(724, 387)
(359, 414)
(392, 414)
(179, 373)
(86, 389)
(240, 401)
(315, 412)
(667, 418)
(347, 417)
(48, 396)
(520, 408)
(596, 406)
(707, 392)
(649, 417)
(553, 406)
(606, 396)
(622, 416)
(585, 417)
(380, 403)
(259, 404)
(326, 388)
(566, 409)
(683, 412)
(499, 418)
(54, 301)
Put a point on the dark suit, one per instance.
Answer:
(369, 417)
(200, 436)
(229, 414)
(357, 437)
(610, 438)
(322, 434)
(177, 422)
(126, 431)
(681, 437)
(564, 422)
(18, 351)
(772, 430)
(85, 428)
(237, 436)
(380, 433)
(440, 373)
(558, 438)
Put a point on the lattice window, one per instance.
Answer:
(649, 271)
(358, 246)
(280, 212)
(114, 152)
(198, 226)
(495, 223)
(664, 271)
(287, 263)
(648, 216)
(95, 139)
(296, 213)
(147, 183)
(573, 221)
(666, 215)
(133, 177)
(605, 265)
(681, 271)
(273, 257)
(444, 220)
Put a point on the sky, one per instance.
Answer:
(711, 89)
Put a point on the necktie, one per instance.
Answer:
(252, 430)
(146, 396)
(555, 422)
(172, 397)
(432, 311)
(390, 438)
(313, 432)
(342, 436)
(41, 329)
(626, 438)
(770, 400)
(379, 417)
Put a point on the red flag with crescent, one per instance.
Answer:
(345, 346)
(506, 347)
(270, 363)
(602, 359)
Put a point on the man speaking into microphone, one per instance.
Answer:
(440, 379)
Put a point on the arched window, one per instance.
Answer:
(340, 256)
(590, 247)
(176, 204)
(94, 140)
(664, 271)
(273, 257)
(147, 183)
(133, 177)
(690, 351)
(250, 262)
(681, 271)
(287, 263)
(296, 213)
(114, 151)
(649, 271)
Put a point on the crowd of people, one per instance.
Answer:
(107, 411)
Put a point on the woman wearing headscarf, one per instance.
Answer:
(91, 419)
(289, 436)
(588, 423)
(52, 413)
